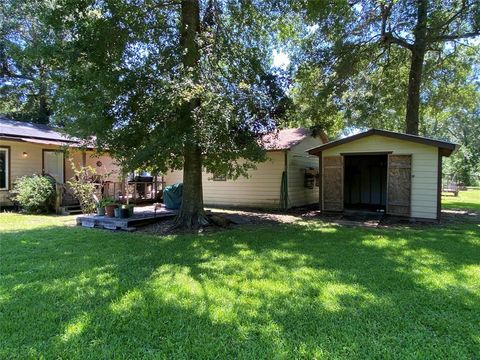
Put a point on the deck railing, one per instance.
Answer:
(134, 191)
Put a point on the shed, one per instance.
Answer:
(382, 171)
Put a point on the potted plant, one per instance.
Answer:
(110, 208)
(124, 212)
(130, 208)
(100, 210)
(116, 211)
(101, 205)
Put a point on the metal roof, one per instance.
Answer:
(446, 148)
(284, 139)
(24, 130)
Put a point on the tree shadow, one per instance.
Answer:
(296, 290)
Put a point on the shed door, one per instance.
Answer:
(333, 183)
(399, 184)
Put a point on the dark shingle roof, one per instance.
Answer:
(24, 130)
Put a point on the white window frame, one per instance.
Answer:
(7, 167)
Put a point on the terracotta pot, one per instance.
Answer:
(110, 210)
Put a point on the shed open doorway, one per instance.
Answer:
(365, 182)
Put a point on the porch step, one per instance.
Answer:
(71, 209)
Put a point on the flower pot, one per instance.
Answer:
(100, 211)
(116, 212)
(124, 213)
(110, 210)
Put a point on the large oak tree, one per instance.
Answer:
(169, 84)
(346, 40)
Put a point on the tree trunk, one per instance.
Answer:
(43, 108)
(416, 69)
(413, 100)
(191, 214)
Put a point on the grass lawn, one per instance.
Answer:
(465, 200)
(293, 291)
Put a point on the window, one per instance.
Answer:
(4, 168)
(219, 177)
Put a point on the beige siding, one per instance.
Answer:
(424, 168)
(108, 165)
(298, 161)
(32, 164)
(260, 189)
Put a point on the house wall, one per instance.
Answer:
(298, 161)
(109, 168)
(260, 189)
(424, 168)
(32, 164)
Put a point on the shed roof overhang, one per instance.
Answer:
(445, 148)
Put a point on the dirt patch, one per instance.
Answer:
(230, 218)
(227, 218)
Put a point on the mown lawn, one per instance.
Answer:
(292, 291)
(469, 200)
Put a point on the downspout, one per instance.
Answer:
(284, 183)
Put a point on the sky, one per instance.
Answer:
(280, 59)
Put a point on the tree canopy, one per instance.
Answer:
(362, 47)
(168, 84)
(26, 86)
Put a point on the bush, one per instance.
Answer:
(83, 188)
(35, 193)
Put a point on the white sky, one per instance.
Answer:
(280, 59)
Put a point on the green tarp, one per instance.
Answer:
(172, 196)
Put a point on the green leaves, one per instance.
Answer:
(122, 81)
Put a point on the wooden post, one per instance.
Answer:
(58, 199)
(155, 187)
(126, 190)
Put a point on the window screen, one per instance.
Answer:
(3, 169)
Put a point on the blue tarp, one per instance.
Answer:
(172, 196)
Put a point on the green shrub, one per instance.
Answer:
(83, 188)
(35, 193)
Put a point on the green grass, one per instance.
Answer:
(294, 291)
(466, 200)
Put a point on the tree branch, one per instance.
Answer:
(447, 23)
(452, 37)
(6, 73)
(166, 3)
(388, 38)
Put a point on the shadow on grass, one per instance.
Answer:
(286, 291)
(460, 205)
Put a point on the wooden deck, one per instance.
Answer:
(143, 215)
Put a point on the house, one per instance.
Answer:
(287, 179)
(27, 149)
(384, 171)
